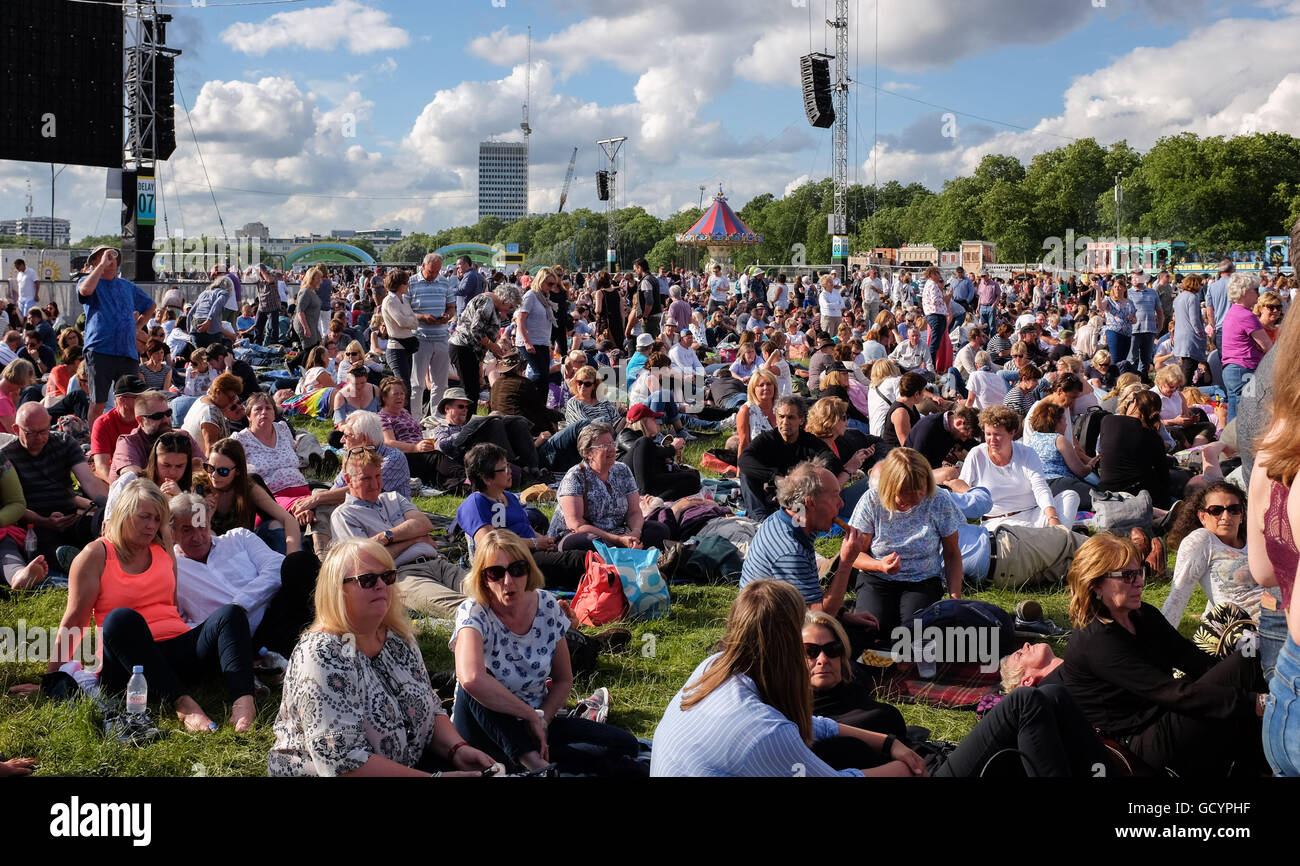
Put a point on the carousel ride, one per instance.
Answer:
(719, 231)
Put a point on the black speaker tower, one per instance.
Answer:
(815, 73)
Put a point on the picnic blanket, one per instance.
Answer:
(315, 404)
(955, 686)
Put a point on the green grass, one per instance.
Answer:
(66, 737)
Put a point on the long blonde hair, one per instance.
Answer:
(341, 562)
(764, 641)
(1279, 447)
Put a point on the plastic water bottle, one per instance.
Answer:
(925, 665)
(137, 692)
(273, 660)
(30, 544)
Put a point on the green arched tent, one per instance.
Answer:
(327, 251)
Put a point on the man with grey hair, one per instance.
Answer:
(476, 334)
(679, 311)
(363, 430)
(782, 549)
(238, 568)
(430, 293)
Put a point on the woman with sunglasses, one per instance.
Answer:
(357, 700)
(513, 667)
(1210, 537)
(154, 369)
(1042, 727)
(237, 499)
(1119, 669)
(1121, 316)
(585, 405)
(354, 354)
(1269, 311)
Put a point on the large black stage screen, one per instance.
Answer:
(61, 82)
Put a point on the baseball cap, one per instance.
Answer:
(129, 384)
(641, 410)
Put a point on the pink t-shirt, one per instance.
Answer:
(1238, 347)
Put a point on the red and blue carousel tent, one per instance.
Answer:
(719, 227)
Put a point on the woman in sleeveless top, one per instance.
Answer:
(903, 412)
(352, 396)
(127, 580)
(758, 414)
(1274, 508)
(609, 309)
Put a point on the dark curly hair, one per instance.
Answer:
(1190, 519)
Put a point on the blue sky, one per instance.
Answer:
(366, 113)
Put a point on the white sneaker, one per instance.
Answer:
(728, 423)
(596, 707)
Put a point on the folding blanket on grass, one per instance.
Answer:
(955, 685)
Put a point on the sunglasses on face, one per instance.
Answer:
(833, 650)
(518, 568)
(220, 471)
(368, 580)
(1234, 509)
(1130, 576)
(586, 384)
(352, 354)
(156, 416)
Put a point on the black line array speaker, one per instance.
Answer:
(61, 80)
(602, 185)
(815, 73)
(164, 94)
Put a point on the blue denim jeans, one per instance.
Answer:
(1142, 352)
(560, 452)
(938, 325)
(986, 317)
(1272, 637)
(1235, 378)
(1118, 345)
(539, 361)
(1282, 715)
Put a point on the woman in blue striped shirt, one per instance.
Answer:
(747, 711)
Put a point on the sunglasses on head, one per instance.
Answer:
(156, 416)
(833, 650)
(368, 580)
(1234, 509)
(221, 471)
(359, 449)
(1129, 575)
(518, 568)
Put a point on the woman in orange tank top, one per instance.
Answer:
(127, 581)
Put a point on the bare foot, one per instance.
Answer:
(192, 715)
(243, 714)
(30, 575)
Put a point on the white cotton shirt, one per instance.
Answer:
(878, 404)
(1018, 486)
(240, 570)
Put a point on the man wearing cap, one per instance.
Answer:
(205, 315)
(1216, 300)
(684, 357)
(115, 309)
(116, 422)
(635, 364)
(515, 394)
(459, 431)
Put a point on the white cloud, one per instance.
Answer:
(360, 28)
(899, 85)
(795, 184)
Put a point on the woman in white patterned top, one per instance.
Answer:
(1211, 544)
(513, 666)
(357, 699)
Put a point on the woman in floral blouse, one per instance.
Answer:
(357, 699)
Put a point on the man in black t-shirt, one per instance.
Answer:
(648, 303)
(936, 433)
(46, 461)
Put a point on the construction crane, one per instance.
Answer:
(568, 179)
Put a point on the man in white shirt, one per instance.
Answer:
(9, 347)
(213, 571)
(718, 288)
(683, 355)
(29, 288)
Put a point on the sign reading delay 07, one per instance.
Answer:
(146, 203)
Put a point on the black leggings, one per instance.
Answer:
(895, 602)
(1194, 747)
(1042, 727)
(469, 367)
(220, 642)
(291, 608)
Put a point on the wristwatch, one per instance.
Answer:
(388, 536)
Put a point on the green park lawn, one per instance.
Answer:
(66, 737)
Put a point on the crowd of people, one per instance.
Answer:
(955, 432)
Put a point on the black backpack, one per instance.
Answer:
(1087, 427)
